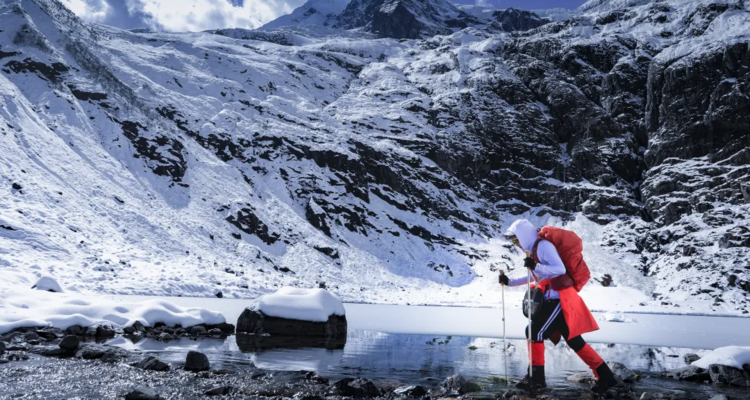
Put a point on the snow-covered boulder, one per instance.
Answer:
(48, 284)
(727, 365)
(292, 312)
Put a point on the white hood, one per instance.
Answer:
(526, 233)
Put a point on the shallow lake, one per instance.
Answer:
(423, 345)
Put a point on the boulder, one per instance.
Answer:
(622, 372)
(152, 363)
(31, 336)
(584, 378)
(75, 330)
(70, 342)
(91, 353)
(2, 348)
(719, 397)
(258, 323)
(143, 394)
(413, 391)
(690, 373)
(218, 391)
(458, 385)
(198, 330)
(139, 326)
(692, 357)
(215, 332)
(165, 337)
(105, 331)
(351, 387)
(225, 327)
(728, 375)
(197, 361)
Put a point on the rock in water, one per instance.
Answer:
(585, 378)
(143, 394)
(457, 384)
(198, 330)
(359, 387)
(728, 375)
(197, 362)
(690, 373)
(70, 342)
(623, 372)
(218, 391)
(413, 391)
(152, 363)
(256, 322)
(2, 348)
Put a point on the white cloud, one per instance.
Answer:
(182, 15)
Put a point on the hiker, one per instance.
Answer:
(563, 312)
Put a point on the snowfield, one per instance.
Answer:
(233, 163)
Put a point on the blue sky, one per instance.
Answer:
(198, 15)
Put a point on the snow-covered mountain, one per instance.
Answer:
(237, 160)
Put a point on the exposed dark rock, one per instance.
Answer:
(197, 362)
(75, 330)
(351, 387)
(198, 330)
(2, 348)
(413, 391)
(689, 373)
(218, 391)
(257, 323)
(143, 394)
(513, 19)
(152, 363)
(691, 358)
(728, 375)
(458, 385)
(70, 342)
(624, 373)
(247, 221)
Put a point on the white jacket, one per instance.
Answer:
(550, 265)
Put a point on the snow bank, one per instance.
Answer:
(314, 305)
(732, 356)
(48, 284)
(30, 308)
(616, 317)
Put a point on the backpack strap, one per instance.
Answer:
(533, 250)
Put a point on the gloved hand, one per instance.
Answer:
(529, 263)
(504, 279)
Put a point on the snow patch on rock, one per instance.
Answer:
(48, 284)
(731, 356)
(314, 305)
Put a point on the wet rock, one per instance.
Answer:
(143, 394)
(197, 362)
(198, 330)
(691, 358)
(105, 331)
(225, 327)
(75, 330)
(457, 385)
(91, 353)
(90, 331)
(584, 378)
(114, 355)
(70, 342)
(139, 326)
(728, 375)
(128, 330)
(719, 397)
(31, 336)
(352, 387)
(624, 373)
(690, 373)
(49, 333)
(410, 391)
(2, 348)
(256, 322)
(215, 332)
(218, 391)
(165, 337)
(152, 363)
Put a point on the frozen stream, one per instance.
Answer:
(424, 344)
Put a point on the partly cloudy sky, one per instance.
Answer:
(199, 15)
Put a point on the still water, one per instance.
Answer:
(426, 344)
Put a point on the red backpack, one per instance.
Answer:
(570, 248)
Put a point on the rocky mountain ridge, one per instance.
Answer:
(383, 168)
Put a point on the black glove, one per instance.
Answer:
(529, 263)
(504, 279)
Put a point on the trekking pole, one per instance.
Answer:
(531, 339)
(505, 344)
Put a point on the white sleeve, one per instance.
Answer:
(518, 281)
(550, 265)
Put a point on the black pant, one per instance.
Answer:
(550, 320)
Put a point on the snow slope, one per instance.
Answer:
(243, 161)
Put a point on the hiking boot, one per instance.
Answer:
(606, 379)
(539, 382)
